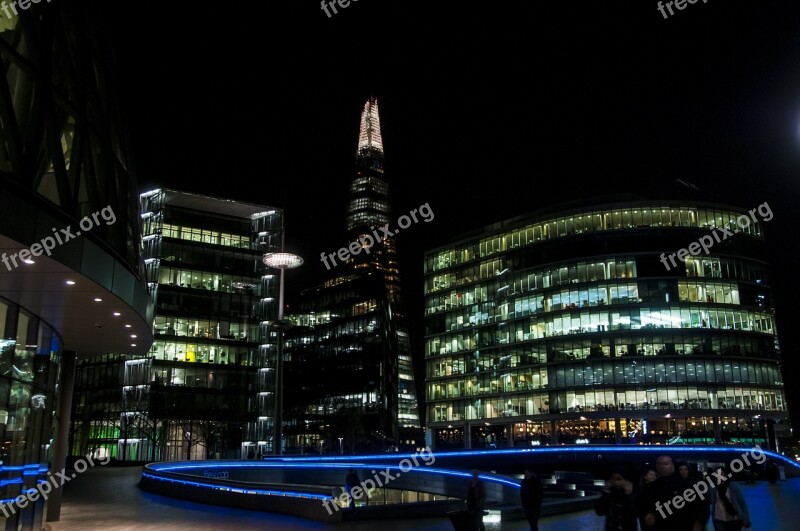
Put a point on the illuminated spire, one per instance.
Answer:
(370, 142)
(369, 203)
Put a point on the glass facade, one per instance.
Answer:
(369, 208)
(30, 352)
(260, 437)
(352, 329)
(64, 155)
(192, 395)
(352, 391)
(555, 330)
(77, 170)
(645, 215)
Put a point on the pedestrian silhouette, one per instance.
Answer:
(476, 499)
(350, 481)
(531, 495)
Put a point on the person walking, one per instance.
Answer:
(350, 481)
(531, 495)
(476, 499)
(648, 475)
(656, 497)
(618, 504)
(728, 508)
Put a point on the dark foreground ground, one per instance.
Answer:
(109, 499)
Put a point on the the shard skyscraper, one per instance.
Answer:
(349, 380)
(368, 210)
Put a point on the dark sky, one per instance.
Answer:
(488, 110)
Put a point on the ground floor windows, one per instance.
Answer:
(645, 429)
(29, 371)
(532, 433)
(449, 437)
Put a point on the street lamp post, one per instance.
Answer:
(282, 261)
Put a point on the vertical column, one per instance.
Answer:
(277, 442)
(511, 435)
(717, 431)
(553, 433)
(66, 385)
(768, 427)
(467, 436)
(617, 431)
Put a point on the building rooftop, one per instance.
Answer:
(215, 205)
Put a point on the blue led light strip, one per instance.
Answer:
(15, 468)
(342, 462)
(240, 490)
(23, 493)
(549, 449)
(421, 468)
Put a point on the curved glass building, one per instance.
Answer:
(71, 276)
(604, 324)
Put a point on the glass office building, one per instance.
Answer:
(566, 327)
(65, 168)
(193, 395)
(361, 395)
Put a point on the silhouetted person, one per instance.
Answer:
(772, 472)
(648, 475)
(618, 504)
(350, 481)
(531, 494)
(728, 508)
(476, 499)
(656, 509)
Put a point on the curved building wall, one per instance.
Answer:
(569, 328)
(30, 355)
(71, 276)
(63, 135)
(66, 175)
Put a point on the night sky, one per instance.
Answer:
(488, 110)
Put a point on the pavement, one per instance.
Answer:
(109, 499)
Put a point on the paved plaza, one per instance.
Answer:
(109, 499)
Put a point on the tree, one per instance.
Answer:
(207, 433)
